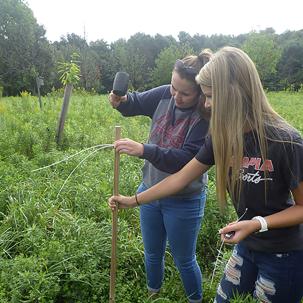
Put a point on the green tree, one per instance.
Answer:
(24, 51)
(161, 74)
(64, 50)
(290, 67)
(214, 42)
(102, 55)
(130, 58)
(264, 51)
(119, 55)
(137, 56)
(185, 38)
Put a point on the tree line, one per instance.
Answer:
(26, 54)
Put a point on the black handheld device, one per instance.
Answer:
(120, 84)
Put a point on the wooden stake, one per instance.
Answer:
(113, 265)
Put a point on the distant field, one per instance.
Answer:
(55, 227)
(289, 106)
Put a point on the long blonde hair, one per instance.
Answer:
(239, 104)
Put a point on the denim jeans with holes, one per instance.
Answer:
(269, 277)
(176, 221)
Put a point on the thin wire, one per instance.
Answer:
(73, 155)
(220, 252)
(90, 154)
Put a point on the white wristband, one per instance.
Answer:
(262, 222)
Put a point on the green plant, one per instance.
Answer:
(25, 94)
(57, 248)
(70, 71)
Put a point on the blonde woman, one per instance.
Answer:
(259, 162)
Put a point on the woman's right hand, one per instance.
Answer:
(235, 232)
(129, 147)
(116, 100)
(122, 202)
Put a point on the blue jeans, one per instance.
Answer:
(269, 277)
(177, 221)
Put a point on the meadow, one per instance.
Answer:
(55, 226)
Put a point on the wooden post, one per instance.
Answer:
(38, 88)
(67, 94)
(113, 265)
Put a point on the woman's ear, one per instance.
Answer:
(202, 98)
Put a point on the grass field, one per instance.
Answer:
(55, 227)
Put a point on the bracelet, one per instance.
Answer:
(263, 223)
(136, 198)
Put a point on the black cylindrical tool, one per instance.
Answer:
(120, 84)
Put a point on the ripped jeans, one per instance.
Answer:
(269, 277)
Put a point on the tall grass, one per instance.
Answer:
(56, 248)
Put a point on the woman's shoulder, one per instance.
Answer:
(283, 134)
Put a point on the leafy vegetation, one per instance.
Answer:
(54, 241)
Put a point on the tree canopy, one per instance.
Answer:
(25, 54)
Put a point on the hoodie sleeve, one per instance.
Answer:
(144, 103)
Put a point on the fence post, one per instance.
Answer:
(113, 267)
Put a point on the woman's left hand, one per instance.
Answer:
(237, 231)
(129, 147)
(122, 202)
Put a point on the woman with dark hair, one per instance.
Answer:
(178, 129)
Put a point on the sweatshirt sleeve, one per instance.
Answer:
(144, 103)
(171, 160)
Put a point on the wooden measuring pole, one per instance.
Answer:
(113, 265)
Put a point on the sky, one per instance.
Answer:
(111, 20)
